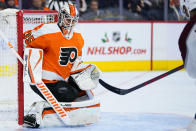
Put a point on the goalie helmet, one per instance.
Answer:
(186, 6)
(67, 18)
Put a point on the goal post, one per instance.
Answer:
(14, 94)
(19, 25)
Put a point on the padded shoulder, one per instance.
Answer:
(44, 29)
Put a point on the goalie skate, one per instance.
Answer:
(30, 121)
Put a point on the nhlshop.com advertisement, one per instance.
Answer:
(116, 41)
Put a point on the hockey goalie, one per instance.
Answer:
(55, 71)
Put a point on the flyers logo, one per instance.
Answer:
(67, 54)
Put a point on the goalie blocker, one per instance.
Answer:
(84, 110)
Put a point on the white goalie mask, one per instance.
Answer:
(67, 18)
(186, 6)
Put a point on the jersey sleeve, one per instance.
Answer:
(34, 39)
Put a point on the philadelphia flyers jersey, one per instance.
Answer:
(59, 52)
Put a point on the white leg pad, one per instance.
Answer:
(83, 116)
(88, 114)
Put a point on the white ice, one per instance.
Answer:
(165, 105)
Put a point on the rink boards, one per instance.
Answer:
(121, 46)
(129, 46)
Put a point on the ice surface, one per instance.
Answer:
(165, 105)
(120, 121)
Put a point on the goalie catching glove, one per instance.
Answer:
(86, 76)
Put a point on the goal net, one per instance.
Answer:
(15, 97)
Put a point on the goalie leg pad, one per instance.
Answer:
(79, 115)
(32, 65)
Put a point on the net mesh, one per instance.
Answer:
(8, 61)
(8, 67)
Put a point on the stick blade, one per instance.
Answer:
(112, 88)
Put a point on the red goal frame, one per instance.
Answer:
(19, 20)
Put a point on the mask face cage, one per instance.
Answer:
(66, 20)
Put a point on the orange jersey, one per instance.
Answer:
(59, 52)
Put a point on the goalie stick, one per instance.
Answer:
(126, 91)
(61, 113)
